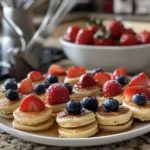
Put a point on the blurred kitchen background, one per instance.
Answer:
(135, 13)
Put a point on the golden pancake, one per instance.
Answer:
(38, 127)
(80, 132)
(122, 116)
(71, 81)
(61, 78)
(7, 116)
(32, 118)
(76, 97)
(71, 121)
(38, 82)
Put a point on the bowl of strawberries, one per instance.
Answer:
(107, 46)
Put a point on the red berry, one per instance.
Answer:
(101, 78)
(140, 80)
(86, 80)
(119, 71)
(129, 31)
(130, 91)
(84, 36)
(103, 42)
(25, 86)
(115, 29)
(35, 76)
(111, 88)
(93, 28)
(144, 37)
(71, 33)
(75, 71)
(57, 94)
(56, 70)
(32, 103)
(127, 39)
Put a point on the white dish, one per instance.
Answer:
(133, 58)
(138, 128)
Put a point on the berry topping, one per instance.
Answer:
(119, 71)
(32, 103)
(140, 80)
(86, 80)
(39, 89)
(57, 94)
(139, 99)
(93, 28)
(56, 70)
(75, 72)
(10, 84)
(90, 103)
(130, 91)
(111, 88)
(68, 86)
(35, 76)
(127, 40)
(74, 107)
(101, 78)
(144, 37)
(96, 71)
(47, 84)
(25, 86)
(121, 79)
(52, 78)
(12, 95)
(111, 104)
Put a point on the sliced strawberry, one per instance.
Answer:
(119, 71)
(111, 88)
(130, 91)
(86, 80)
(57, 94)
(56, 70)
(140, 80)
(25, 86)
(32, 103)
(75, 71)
(35, 76)
(101, 78)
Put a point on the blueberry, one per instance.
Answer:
(12, 95)
(90, 103)
(46, 84)
(10, 84)
(111, 104)
(52, 78)
(96, 71)
(39, 89)
(74, 107)
(68, 86)
(121, 79)
(139, 99)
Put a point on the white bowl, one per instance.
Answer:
(133, 58)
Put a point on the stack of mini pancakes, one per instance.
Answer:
(77, 126)
(114, 121)
(33, 121)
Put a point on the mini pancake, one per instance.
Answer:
(122, 116)
(32, 118)
(118, 128)
(139, 112)
(76, 97)
(7, 116)
(71, 81)
(38, 127)
(38, 82)
(61, 78)
(87, 91)
(80, 132)
(71, 121)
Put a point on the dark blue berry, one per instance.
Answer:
(90, 103)
(74, 107)
(121, 79)
(111, 104)
(12, 95)
(96, 71)
(10, 84)
(139, 99)
(52, 78)
(39, 89)
(47, 84)
(68, 86)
